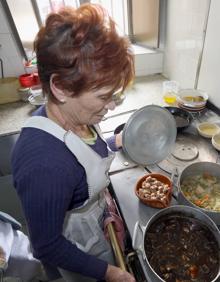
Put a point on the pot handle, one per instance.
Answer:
(138, 237)
(175, 188)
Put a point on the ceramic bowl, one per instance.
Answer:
(208, 129)
(216, 141)
(192, 98)
(156, 197)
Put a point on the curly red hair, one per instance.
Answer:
(82, 47)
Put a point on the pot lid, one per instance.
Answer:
(149, 135)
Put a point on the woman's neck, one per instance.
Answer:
(57, 115)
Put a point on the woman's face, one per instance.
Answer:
(88, 108)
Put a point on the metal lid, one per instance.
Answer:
(149, 135)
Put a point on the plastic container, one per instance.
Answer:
(27, 80)
(170, 90)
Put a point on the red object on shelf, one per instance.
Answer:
(27, 80)
(36, 78)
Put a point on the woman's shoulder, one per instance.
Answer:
(38, 148)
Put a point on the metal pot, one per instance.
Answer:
(140, 237)
(195, 169)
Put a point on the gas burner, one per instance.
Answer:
(189, 148)
(185, 151)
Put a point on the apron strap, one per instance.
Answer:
(47, 125)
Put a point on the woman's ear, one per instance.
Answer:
(57, 92)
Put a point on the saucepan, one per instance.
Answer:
(179, 243)
(149, 135)
(199, 187)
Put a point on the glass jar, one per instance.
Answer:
(170, 90)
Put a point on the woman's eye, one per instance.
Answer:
(104, 98)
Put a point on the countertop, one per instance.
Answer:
(13, 116)
(145, 90)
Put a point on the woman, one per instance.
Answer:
(61, 162)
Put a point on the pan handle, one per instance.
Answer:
(175, 172)
(138, 237)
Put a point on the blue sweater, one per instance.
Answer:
(50, 181)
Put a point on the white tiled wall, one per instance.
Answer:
(9, 53)
(184, 37)
(209, 78)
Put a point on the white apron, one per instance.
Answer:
(83, 226)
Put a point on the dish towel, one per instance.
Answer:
(16, 258)
(111, 216)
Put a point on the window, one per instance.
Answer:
(138, 19)
(44, 7)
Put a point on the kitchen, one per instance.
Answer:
(181, 60)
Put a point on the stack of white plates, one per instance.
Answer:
(192, 100)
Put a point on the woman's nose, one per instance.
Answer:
(110, 106)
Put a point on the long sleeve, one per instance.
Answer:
(49, 182)
(111, 143)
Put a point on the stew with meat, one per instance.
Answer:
(181, 249)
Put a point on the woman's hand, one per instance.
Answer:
(118, 140)
(115, 274)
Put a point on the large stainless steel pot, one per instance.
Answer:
(140, 233)
(195, 169)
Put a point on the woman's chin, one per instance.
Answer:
(95, 120)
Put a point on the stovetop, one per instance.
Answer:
(189, 148)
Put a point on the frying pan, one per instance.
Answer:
(183, 118)
(119, 128)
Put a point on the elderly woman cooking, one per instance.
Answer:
(61, 161)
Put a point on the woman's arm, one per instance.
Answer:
(115, 142)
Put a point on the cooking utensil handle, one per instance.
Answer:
(116, 248)
(136, 240)
(175, 187)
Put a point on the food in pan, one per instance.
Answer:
(202, 190)
(153, 189)
(193, 98)
(180, 248)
